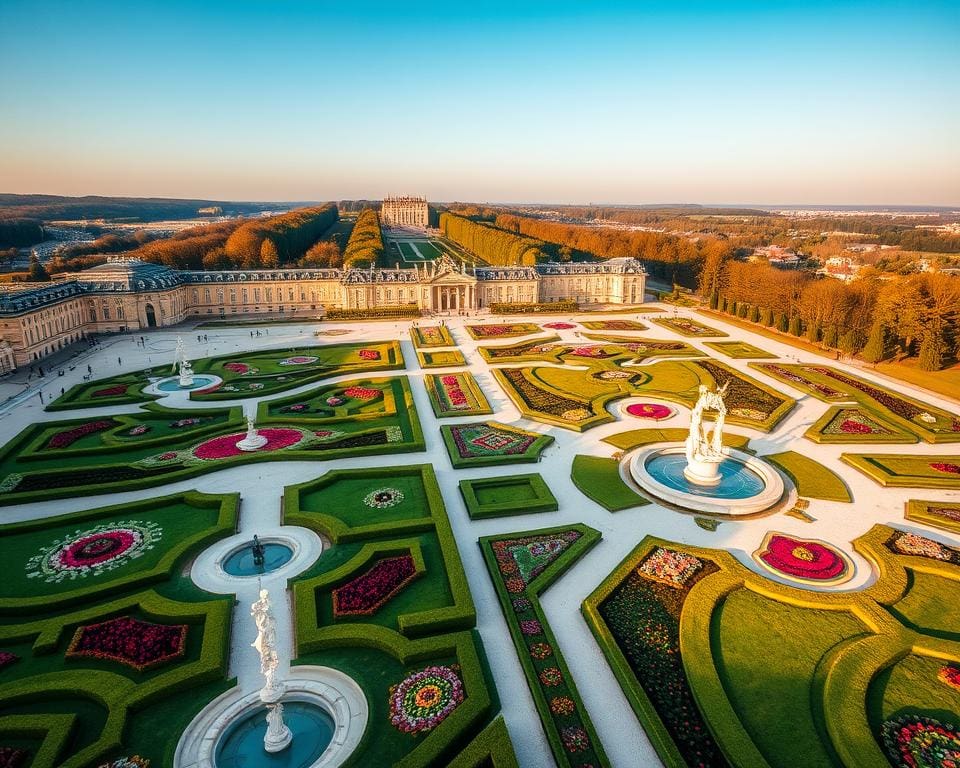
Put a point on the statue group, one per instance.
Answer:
(704, 450)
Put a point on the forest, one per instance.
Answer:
(879, 317)
(365, 246)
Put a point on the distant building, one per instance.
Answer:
(126, 295)
(777, 256)
(840, 268)
(213, 210)
(405, 212)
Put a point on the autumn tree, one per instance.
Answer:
(269, 257)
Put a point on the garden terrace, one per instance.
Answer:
(488, 443)
(126, 464)
(507, 495)
(689, 632)
(613, 325)
(687, 327)
(522, 566)
(906, 470)
(929, 423)
(389, 605)
(456, 394)
(501, 330)
(739, 350)
(444, 358)
(116, 647)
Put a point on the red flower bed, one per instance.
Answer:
(595, 352)
(126, 640)
(367, 593)
(237, 368)
(803, 559)
(119, 389)
(361, 393)
(225, 446)
(559, 326)
(7, 658)
(369, 354)
(951, 469)
(454, 393)
(70, 436)
(649, 411)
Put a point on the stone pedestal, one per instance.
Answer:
(252, 442)
(700, 469)
(278, 735)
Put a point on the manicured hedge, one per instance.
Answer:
(599, 479)
(938, 514)
(564, 306)
(740, 350)
(520, 495)
(437, 389)
(894, 470)
(380, 312)
(512, 588)
(491, 749)
(821, 432)
(440, 359)
(420, 339)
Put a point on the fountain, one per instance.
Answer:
(278, 735)
(252, 441)
(257, 557)
(702, 474)
(184, 378)
(186, 370)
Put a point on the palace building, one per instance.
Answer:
(126, 295)
(405, 212)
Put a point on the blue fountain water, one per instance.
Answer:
(173, 383)
(242, 744)
(737, 480)
(240, 563)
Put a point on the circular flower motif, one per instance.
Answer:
(650, 411)
(382, 498)
(226, 446)
(562, 705)
(424, 699)
(803, 560)
(521, 604)
(551, 676)
(531, 627)
(919, 742)
(93, 551)
(541, 651)
(515, 585)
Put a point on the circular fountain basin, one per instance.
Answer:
(241, 745)
(747, 484)
(172, 383)
(240, 561)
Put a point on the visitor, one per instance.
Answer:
(89, 369)
(119, 361)
(62, 390)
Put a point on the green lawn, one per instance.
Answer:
(503, 496)
(599, 479)
(811, 477)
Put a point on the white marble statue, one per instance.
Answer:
(705, 451)
(252, 441)
(180, 361)
(278, 735)
(266, 645)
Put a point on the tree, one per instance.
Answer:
(878, 345)
(783, 325)
(754, 315)
(813, 332)
(269, 257)
(714, 300)
(851, 342)
(830, 337)
(796, 326)
(36, 273)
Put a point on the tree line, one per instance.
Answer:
(365, 246)
(878, 317)
(278, 240)
(494, 245)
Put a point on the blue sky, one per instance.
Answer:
(738, 102)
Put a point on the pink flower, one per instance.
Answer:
(802, 558)
(226, 446)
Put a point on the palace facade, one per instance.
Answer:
(405, 212)
(126, 295)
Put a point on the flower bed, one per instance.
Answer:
(914, 545)
(126, 640)
(362, 393)
(614, 325)
(790, 375)
(114, 391)
(484, 440)
(431, 336)
(912, 741)
(650, 411)
(521, 567)
(595, 351)
(898, 405)
(137, 430)
(68, 437)
(308, 359)
(425, 699)
(949, 674)
(13, 757)
(240, 369)
(7, 658)
(804, 560)
(501, 330)
(687, 327)
(368, 592)
(851, 421)
(945, 467)
(93, 551)
(188, 422)
(225, 446)
(642, 615)
(369, 354)
(939, 514)
(540, 400)
(559, 326)
(455, 394)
